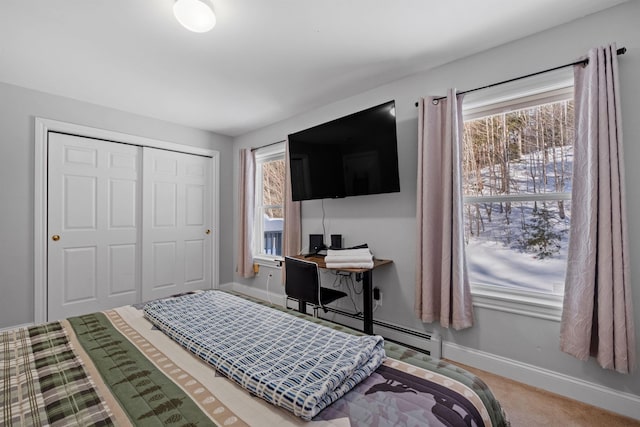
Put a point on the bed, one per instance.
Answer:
(134, 365)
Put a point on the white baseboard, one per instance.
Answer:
(622, 403)
(433, 346)
(272, 297)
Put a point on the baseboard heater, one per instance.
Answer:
(425, 342)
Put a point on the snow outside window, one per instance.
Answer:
(517, 175)
(269, 210)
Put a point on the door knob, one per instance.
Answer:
(208, 231)
(55, 237)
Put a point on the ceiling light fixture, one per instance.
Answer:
(194, 15)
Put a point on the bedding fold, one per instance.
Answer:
(290, 362)
(349, 252)
(349, 258)
(345, 265)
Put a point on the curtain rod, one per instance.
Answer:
(620, 51)
(268, 145)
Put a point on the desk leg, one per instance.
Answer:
(367, 296)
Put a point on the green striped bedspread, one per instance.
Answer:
(115, 368)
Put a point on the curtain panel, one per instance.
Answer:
(597, 316)
(292, 235)
(442, 284)
(292, 238)
(246, 198)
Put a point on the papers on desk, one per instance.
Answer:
(349, 258)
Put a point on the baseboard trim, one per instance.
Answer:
(432, 346)
(620, 402)
(272, 297)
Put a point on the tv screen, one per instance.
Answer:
(351, 156)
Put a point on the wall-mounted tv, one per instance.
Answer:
(351, 156)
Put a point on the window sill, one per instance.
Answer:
(532, 304)
(268, 260)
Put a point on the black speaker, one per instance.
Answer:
(336, 241)
(316, 242)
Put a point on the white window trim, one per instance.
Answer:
(541, 197)
(526, 303)
(550, 88)
(271, 152)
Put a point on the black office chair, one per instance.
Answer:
(302, 283)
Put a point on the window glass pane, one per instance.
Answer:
(516, 235)
(518, 244)
(521, 152)
(273, 183)
(272, 227)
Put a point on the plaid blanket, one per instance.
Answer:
(44, 383)
(116, 368)
(298, 365)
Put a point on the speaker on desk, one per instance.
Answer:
(336, 241)
(316, 243)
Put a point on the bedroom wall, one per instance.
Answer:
(18, 109)
(387, 222)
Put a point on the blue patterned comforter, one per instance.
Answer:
(290, 362)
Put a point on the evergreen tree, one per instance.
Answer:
(540, 235)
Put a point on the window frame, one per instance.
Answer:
(515, 96)
(263, 155)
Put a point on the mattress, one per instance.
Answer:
(116, 368)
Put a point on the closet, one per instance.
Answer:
(125, 223)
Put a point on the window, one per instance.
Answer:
(269, 209)
(517, 174)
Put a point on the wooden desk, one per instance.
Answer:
(362, 274)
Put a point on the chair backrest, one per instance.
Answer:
(302, 280)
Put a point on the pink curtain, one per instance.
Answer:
(246, 187)
(442, 284)
(292, 240)
(597, 317)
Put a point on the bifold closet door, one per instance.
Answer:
(93, 260)
(177, 234)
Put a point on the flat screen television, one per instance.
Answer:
(351, 156)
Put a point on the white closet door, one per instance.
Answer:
(93, 225)
(177, 235)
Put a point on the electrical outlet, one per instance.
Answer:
(377, 296)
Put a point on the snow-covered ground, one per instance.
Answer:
(491, 263)
(499, 255)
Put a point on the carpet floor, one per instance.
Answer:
(529, 406)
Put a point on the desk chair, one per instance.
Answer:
(302, 283)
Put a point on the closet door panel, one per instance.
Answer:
(194, 268)
(123, 202)
(164, 260)
(122, 269)
(80, 275)
(125, 224)
(93, 250)
(177, 192)
(80, 199)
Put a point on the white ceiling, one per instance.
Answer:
(266, 60)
